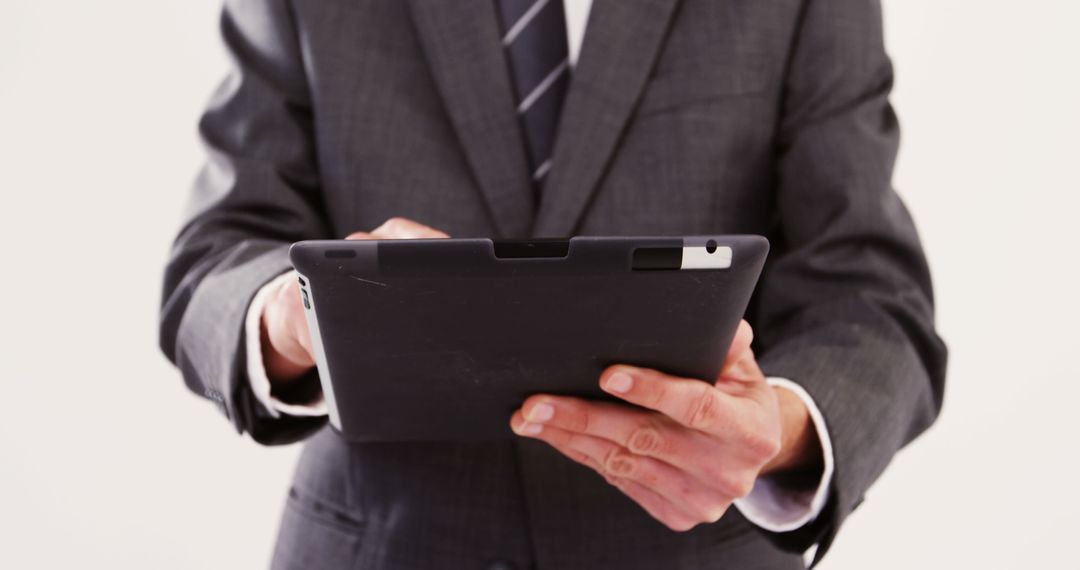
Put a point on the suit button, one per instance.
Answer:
(501, 565)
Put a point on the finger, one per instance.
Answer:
(284, 313)
(403, 228)
(641, 432)
(659, 508)
(691, 403)
(359, 236)
(686, 492)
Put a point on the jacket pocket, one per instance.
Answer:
(316, 535)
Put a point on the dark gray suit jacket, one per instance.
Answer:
(691, 116)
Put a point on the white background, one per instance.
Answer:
(107, 461)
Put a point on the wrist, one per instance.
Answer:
(800, 449)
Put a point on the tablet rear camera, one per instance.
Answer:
(710, 246)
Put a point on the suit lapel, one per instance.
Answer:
(622, 42)
(462, 45)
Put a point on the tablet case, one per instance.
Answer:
(443, 339)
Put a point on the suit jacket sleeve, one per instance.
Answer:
(258, 193)
(845, 306)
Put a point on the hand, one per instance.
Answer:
(694, 450)
(286, 340)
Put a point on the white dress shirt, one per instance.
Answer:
(769, 505)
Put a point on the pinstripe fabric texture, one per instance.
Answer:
(534, 36)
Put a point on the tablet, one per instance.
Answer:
(443, 339)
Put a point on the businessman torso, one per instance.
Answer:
(343, 113)
(668, 129)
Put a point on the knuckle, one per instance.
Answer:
(585, 420)
(715, 513)
(735, 487)
(567, 440)
(742, 487)
(769, 448)
(619, 464)
(759, 446)
(395, 225)
(656, 397)
(709, 511)
(646, 440)
(706, 507)
(704, 412)
(681, 526)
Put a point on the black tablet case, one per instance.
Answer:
(443, 339)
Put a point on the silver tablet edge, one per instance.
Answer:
(320, 354)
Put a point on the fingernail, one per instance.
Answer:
(541, 412)
(528, 428)
(620, 382)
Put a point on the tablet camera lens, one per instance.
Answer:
(710, 246)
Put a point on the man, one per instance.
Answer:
(486, 118)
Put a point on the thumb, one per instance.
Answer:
(740, 346)
(740, 364)
(404, 228)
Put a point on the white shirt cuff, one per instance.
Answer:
(777, 509)
(260, 382)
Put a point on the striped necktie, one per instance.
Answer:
(534, 35)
